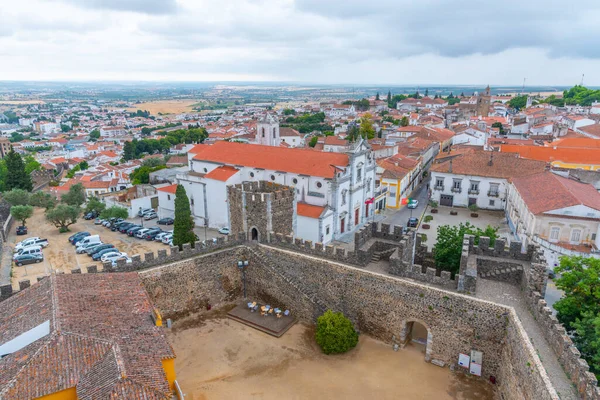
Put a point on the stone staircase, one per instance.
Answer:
(500, 273)
(267, 262)
(378, 255)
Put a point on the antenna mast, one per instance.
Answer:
(582, 76)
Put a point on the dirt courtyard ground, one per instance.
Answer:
(60, 255)
(223, 359)
(165, 106)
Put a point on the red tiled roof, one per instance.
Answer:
(222, 173)
(476, 163)
(549, 154)
(310, 211)
(547, 191)
(168, 189)
(299, 161)
(101, 339)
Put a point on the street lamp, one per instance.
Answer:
(242, 266)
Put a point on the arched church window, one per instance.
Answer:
(274, 132)
(263, 132)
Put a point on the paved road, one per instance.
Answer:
(401, 216)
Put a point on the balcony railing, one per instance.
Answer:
(493, 193)
(473, 191)
(380, 191)
(456, 190)
(441, 188)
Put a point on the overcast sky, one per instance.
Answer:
(550, 42)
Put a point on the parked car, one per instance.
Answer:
(98, 255)
(167, 238)
(33, 241)
(127, 259)
(144, 211)
(28, 259)
(412, 222)
(413, 204)
(21, 230)
(123, 226)
(165, 221)
(98, 221)
(88, 240)
(112, 256)
(159, 237)
(94, 250)
(89, 216)
(140, 233)
(224, 231)
(34, 250)
(151, 234)
(150, 215)
(78, 236)
(133, 230)
(106, 224)
(84, 248)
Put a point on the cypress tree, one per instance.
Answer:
(183, 226)
(16, 177)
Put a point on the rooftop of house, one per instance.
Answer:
(309, 210)
(575, 155)
(487, 164)
(94, 332)
(593, 130)
(546, 191)
(294, 160)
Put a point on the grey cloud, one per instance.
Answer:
(140, 6)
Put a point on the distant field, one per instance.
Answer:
(19, 102)
(165, 106)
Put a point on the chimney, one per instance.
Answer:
(450, 166)
(491, 162)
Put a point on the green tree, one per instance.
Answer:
(389, 97)
(426, 92)
(31, 164)
(65, 128)
(313, 141)
(499, 126)
(17, 197)
(84, 165)
(129, 151)
(75, 196)
(518, 102)
(367, 131)
(335, 333)
(183, 226)
(94, 204)
(62, 216)
(579, 308)
(404, 121)
(377, 96)
(448, 247)
(21, 213)
(95, 135)
(42, 199)
(115, 212)
(72, 171)
(153, 162)
(17, 177)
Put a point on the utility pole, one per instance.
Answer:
(582, 76)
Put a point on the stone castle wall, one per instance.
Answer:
(382, 306)
(265, 206)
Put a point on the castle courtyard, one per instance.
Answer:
(218, 358)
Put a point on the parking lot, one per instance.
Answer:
(60, 255)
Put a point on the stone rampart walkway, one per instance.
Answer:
(504, 293)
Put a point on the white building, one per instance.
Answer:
(341, 110)
(477, 177)
(112, 131)
(559, 213)
(470, 135)
(337, 184)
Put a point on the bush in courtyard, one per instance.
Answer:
(428, 218)
(433, 203)
(474, 208)
(335, 333)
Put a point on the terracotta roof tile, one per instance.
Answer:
(310, 211)
(547, 191)
(299, 161)
(168, 189)
(222, 173)
(504, 165)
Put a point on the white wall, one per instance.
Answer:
(308, 228)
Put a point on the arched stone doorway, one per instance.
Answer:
(254, 234)
(417, 333)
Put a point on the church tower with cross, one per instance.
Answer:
(267, 131)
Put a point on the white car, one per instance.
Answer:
(140, 234)
(113, 256)
(126, 258)
(32, 241)
(167, 238)
(224, 231)
(82, 249)
(161, 235)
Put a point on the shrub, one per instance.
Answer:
(423, 238)
(335, 333)
(428, 218)
(433, 203)
(474, 208)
